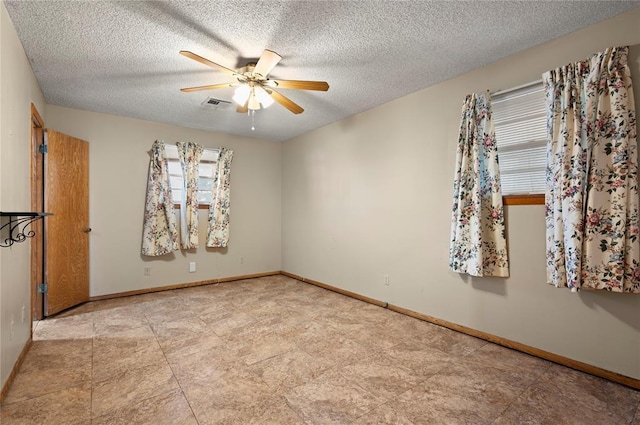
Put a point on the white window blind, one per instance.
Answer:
(205, 174)
(519, 118)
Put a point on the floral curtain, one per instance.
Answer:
(159, 236)
(592, 185)
(189, 154)
(478, 243)
(218, 232)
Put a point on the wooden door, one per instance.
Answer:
(66, 195)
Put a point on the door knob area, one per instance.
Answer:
(86, 229)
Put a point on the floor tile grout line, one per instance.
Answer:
(91, 398)
(174, 374)
(286, 401)
(148, 324)
(636, 414)
(132, 369)
(525, 389)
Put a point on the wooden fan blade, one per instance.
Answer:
(243, 109)
(266, 63)
(207, 62)
(285, 101)
(210, 87)
(302, 85)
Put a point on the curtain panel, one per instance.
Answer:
(189, 154)
(218, 230)
(159, 235)
(592, 184)
(478, 243)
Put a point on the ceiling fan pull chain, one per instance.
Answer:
(253, 115)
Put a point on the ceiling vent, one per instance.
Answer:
(212, 103)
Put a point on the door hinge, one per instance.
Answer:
(43, 148)
(43, 288)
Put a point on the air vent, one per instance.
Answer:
(212, 103)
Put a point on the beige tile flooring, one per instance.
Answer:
(278, 351)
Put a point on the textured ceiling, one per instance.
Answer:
(121, 57)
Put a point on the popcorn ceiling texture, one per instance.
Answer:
(122, 57)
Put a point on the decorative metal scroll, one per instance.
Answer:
(17, 228)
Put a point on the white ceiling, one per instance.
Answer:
(121, 57)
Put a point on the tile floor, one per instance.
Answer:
(278, 351)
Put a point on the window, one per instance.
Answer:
(205, 178)
(519, 118)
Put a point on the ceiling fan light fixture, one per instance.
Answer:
(263, 97)
(242, 94)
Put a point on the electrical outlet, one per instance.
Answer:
(241, 260)
(22, 315)
(147, 271)
(386, 280)
(192, 267)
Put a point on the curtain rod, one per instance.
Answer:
(173, 145)
(523, 86)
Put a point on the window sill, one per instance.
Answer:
(523, 199)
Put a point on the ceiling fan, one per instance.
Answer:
(254, 87)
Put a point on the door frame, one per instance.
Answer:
(37, 204)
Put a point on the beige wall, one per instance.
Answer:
(119, 161)
(371, 196)
(18, 88)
